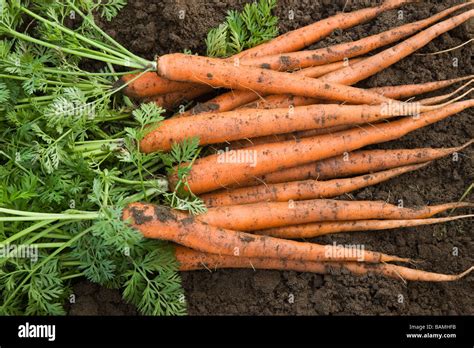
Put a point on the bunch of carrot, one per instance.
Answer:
(296, 114)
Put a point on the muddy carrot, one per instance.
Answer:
(150, 84)
(303, 59)
(218, 73)
(234, 99)
(191, 260)
(160, 222)
(214, 128)
(297, 39)
(317, 229)
(323, 56)
(217, 171)
(370, 66)
(358, 162)
(300, 190)
(263, 215)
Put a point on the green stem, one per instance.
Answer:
(26, 231)
(108, 37)
(46, 260)
(47, 245)
(68, 31)
(46, 232)
(71, 276)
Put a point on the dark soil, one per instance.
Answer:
(155, 27)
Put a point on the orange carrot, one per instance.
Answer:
(297, 39)
(317, 229)
(233, 99)
(150, 84)
(219, 170)
(407, 91)
(191, 260)
(359, 162)
(214, 128)
(321, 56)
(218, 73)
(370, 66)
(376, 63)
(304, 59)
(163, 223)
(299, 190)
(263, 215)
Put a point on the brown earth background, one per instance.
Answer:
(154, 27)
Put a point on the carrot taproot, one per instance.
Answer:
(219, 170)
(407, 91)
(214, 128)
(368, 67)
(316, 229)
(297, 39)
(192, 260)
(236, 98)
(160, 222)
(218, 73)
(300, 190)
(304, 59)
(352, 163)
(263, 215)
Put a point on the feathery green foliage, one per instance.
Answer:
(242, 30)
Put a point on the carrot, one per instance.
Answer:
(299, 190)
(149, 84)
(378, 62)
(274, 138)
(317, 229)
(233, 99)
(263, 215)
(359, 162)
(218, 170)
(218, 73)
(321, 56)
(163, 223)
(406, 91)
(370, 66)
(304, 59)
(395, 92)
(191, 260)
(214, 128)
(297, 39)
